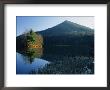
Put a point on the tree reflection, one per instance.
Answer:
(30, 45)
(31, 53)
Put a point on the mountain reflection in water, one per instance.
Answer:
(55, 60)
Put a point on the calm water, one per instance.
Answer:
(24, 66)
(55, 60)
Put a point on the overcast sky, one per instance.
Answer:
(38, 23)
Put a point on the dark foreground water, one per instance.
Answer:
(55, 60)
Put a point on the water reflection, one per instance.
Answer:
(29, 55)
(25, 68)
(29, 61)
(55, 60)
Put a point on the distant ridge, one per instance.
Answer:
(67, 28)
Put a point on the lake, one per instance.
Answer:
(55, 60)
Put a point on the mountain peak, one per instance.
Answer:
(67, 28)
(73, 24)
(66, 21)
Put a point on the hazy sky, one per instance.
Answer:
(38, 23)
